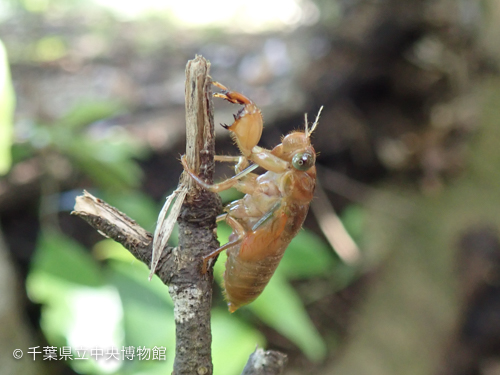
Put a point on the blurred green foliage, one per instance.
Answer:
(50, 48)
(7, 103)
(420, 292)
(63, 274)
(106, 154)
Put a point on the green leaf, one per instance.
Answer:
(60, 257)
(230, 195)
(121, 261)
(280, 307)
(148, 315)
(155, 324)
(233, 342)
(353, 218)
(88, 112)
(307, 256)
(79, 316)
(79, 310)
(110, 249)
(21, 151)
(109, 164)
(107, 157)
(7, 104)
(50, 48)
(223, 232)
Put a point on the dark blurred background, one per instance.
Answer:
(397, 270)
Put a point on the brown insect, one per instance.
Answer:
(275, 204)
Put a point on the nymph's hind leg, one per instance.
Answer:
(240, 232)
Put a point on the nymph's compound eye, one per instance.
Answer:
(303, 161)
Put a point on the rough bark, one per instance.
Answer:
(191, 290)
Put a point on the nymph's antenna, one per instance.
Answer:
(308, 134)
(307, 125)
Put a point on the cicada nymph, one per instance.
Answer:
(275, 204)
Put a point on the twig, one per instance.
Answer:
(115, 224)
(265, 363)
(333, 229)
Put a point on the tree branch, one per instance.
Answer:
(114, 224)
(191, 290)
(180, 267)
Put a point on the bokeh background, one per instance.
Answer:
(397, 269)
